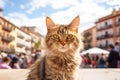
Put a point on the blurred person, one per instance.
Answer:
(10, 56)
(21, 60)
(84, 62)
(37, 54)
(0, 58)
(88, 60)
(5, 63)
(101, 62)
(25, 61)
(117, 47)
(15, 63)
(93, 63)
(113, 57)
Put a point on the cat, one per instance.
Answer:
(62, 58)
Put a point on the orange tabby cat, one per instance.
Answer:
(61, 61)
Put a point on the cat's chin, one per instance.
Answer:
(62, 49)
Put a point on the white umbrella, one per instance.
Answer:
(95, 51)
(3, 54)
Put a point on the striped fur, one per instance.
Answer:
(62, 59)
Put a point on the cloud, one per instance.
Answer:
(89, 11)
(59, 4)
(2, 3)
(22, 6)
(20, 19)
(113, 2)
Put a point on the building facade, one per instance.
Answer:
(89, 38)
(35, 34)
(7, 35)
(108, 29)
(12, 38)
(23, 41)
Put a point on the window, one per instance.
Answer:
(106, 23)
(119, 31)
(118, 19)
(106, 42)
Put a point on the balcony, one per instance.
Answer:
(105, 27)
(20, 45)
(9, 29)
(28, 48)
(20, 36)
(7, 38)
(118, 34)
(28, 40)
(7, 50)
(103, 46)
(104, 36)
(117, 24)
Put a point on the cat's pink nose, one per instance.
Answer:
(63, 42)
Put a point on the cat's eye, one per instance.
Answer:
(55, 36)
(70, 36)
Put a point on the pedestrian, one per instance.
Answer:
(84, 62)
(25, 59)
(15, 63)
(5, 63)
(21, 60)
(37, 54)
(117, 47)
(101, 62)
(113, 57)
(88, 60)
(93, 63)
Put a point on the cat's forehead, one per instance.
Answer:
(62, 29)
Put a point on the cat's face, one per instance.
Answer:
(62, 38)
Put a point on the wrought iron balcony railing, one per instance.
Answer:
(20, 45)
(117, 23)
(104, 36)
(105, 27)
(20, 36)
(7, 38)
(7, 49)
(9, 29)
(118, 34)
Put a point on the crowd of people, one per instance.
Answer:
(112, 60)
(22, 61)
(19, 61)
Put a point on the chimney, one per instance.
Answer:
(1, 11)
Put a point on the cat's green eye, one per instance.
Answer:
(56, 36)
(70, 36)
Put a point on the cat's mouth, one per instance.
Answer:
(62, 49)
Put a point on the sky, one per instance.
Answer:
(34, 12)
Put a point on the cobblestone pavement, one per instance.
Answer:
(84, 74)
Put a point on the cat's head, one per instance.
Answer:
(63, 38)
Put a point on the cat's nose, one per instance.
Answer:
(63, 42)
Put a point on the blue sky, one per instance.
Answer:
(34, 12)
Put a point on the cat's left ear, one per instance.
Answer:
(75, 24)
(49, 23)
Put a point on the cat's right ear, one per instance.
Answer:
(49, 23)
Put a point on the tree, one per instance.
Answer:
(37, 45)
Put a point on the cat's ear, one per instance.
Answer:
(49, 23)
(75, 24)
